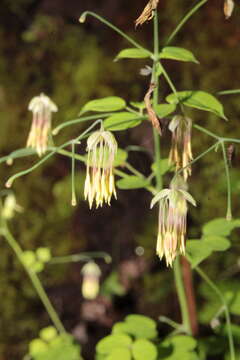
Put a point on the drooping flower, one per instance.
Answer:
(228, 8)
(90, 283)
(42, 107)
(172, 219)
(99, 183)
(10, 206)
(181, 150)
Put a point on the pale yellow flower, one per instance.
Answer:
(42, 108)
(172, 220)
(99, 183)
(10, 206)
(181, 150)
(90, 283)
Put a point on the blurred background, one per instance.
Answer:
(43, 48)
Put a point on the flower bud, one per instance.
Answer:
(90, 283)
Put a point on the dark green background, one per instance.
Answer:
(44, 48)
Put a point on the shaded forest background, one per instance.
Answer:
(44, 48)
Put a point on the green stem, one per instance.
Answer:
(197, 158)
(34, 278)
(133, 170)
(229, 92)
(45, 158)
(74, 199)
(229, 190)
(117, 30)
(177, 268)
(81, 257)
(155, 79)
(184, 20)
(209, 133)
(225, 305)
(181, 295)
(79, 120)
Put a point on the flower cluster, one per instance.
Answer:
(99, 183)
(42, 108)
(172, 219)
(181, 150)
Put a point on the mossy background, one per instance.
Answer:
(44, 48)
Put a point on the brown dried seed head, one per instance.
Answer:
(151, 113)
(147, 13)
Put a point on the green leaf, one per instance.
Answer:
(141, 326)
(120, 354)
(132, 53)
(122, 121)
(164, 166)
(111, 103)
(199, 100)
(178, 347)
(143, 349)
(132, 182)
(37, 346)
(61, 348)
(112, 286)
(48, 334)
(177, 53)
(110, 342)
(29, 258)
(43, 254)
(138, 105)
(120, 158)
(216, 243)
(197, 251)
(38, 266)
(164, 110)
(220, 226)
(186, 343)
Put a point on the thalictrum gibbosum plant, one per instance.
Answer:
(104, 156)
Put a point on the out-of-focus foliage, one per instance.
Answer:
(49, 51)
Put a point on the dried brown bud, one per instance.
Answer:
(151, 113)
(147, 13)
(228, 8)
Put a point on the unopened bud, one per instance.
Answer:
(90, 284)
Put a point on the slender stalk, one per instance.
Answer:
(74, 199)
(117, 30)
(229, 92)
(177, 268)
(184, 20)
(81, 257)
(198, 158)
(133, 170)
(226, 310)
(155, 79)
(79, 120)
(207, 132)
(182, 295)
(229, 190)
(34, 278)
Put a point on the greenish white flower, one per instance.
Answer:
(10, 206)
(42, 108)
(181, 150)
(90, 283)
(172, 219)
(99, 183)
